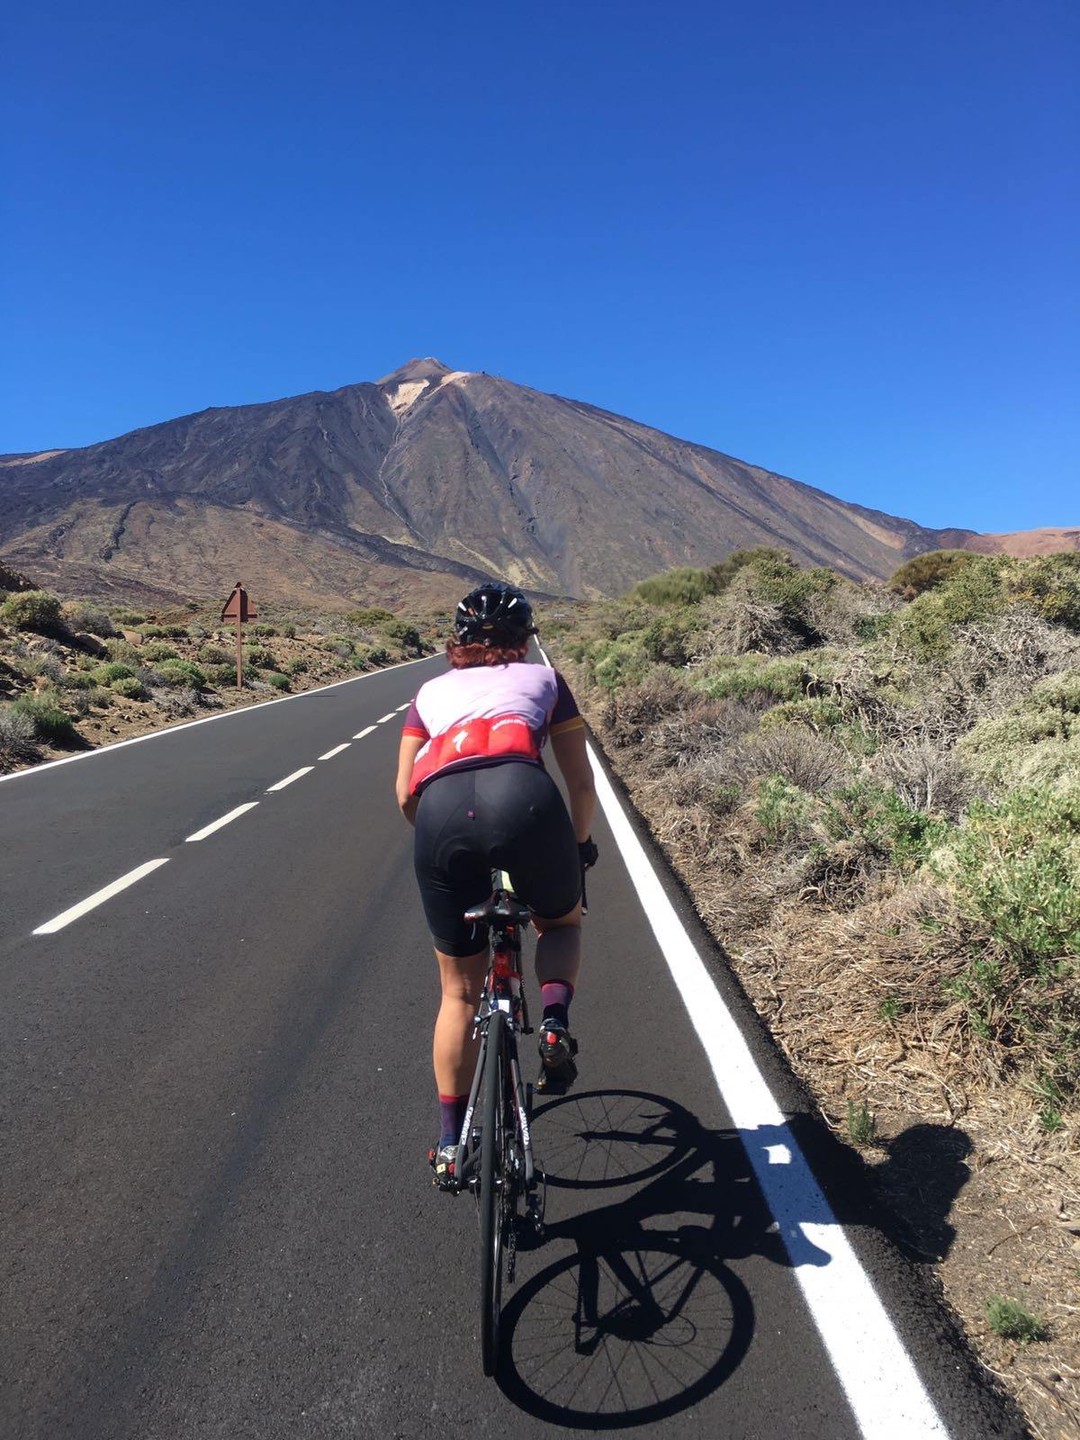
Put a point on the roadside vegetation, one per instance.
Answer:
(873, 794)
(77, 674)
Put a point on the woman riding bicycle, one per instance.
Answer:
(472, 781)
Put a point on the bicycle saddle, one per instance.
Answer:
(499, 906)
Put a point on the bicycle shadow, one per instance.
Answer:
(644, 1316)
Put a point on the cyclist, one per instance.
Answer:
(472, 781)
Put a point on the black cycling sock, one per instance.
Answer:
(558, 1013)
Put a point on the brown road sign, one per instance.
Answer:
(238, 606)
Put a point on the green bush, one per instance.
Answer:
(289, 631)
(264, 632)
(683, 586)
(718, 577)
(51, 721)
(370, 616)
(882, 823)
(816, 714)
(216, 655)
(111, 671)
(782, 810)
(260, 657)
(297, 666)
(278, 681)
(34, 610)
(183, 673)
(746, 677)
(156, 651)
(130, 687)
(928, 570)
(17, 734)
(82, 616)
(1036, 743)
(619, 662)
(1050, 584)
(1016, 867)
(219, 675)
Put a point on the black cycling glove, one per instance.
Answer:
(588, 853)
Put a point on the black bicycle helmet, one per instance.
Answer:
(494, 614)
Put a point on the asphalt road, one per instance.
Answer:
(217, 1217)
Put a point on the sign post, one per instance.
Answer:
(239, 608)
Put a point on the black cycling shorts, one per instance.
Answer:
(509, 816)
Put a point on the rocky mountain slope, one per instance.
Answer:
(407, 487)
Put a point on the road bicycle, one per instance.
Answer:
(495, 1156)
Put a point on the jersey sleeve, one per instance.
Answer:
(414, 725)
(565, 715)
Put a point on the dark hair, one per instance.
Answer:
(463, 656)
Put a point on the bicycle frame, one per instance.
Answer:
(503, 991)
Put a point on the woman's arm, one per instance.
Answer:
(568, 747)
(407, 753)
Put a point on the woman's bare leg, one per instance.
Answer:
(454, 1049)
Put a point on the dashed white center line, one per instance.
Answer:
(368, 731)
(402, 707)
(225, 819)
(51, 926)
(383, 718)
(289, 779)
(336, 751)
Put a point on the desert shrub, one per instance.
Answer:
(925, 571)
(619, 662)
(807, 761)
(157, 651)
(289, 631)
(882, 822)
(112, 670)
(277, 680)
(260, 657)
(403, 633)
(50, 720)
(669, 638)
(1016, 866)
(130, 617)
(176, 704)
(1036, 743)
(372, 615)
(973, 592)
(925, 774)
(297, 666)
(371, 655)
(123, 650)
(1050, 585)
(49, 666)
(745, 676)
(719, 576)
(683, 586)
(182, 673)
(35, 610)
(82, 616)
(818, 714)
(215, 655)
(219, 675)
(338, 645)
(782, 809)
(130, 687)
(78, 680)
(264, 632)
(17, 735)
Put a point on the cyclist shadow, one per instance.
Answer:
(644, 1316)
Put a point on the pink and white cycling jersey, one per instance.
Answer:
(466, 717)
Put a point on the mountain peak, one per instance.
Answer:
(426, 369)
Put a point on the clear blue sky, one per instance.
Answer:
(838, 238)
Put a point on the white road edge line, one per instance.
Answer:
(207, 720)
(336, 751)
(289, 779)
(225, 820)
(368, 731)
(51, 926)
(383, 718)
(874, 1369)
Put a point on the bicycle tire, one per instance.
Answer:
(492, 1190)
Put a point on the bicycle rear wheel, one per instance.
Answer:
(495, 1186)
